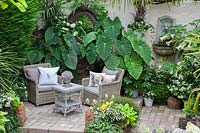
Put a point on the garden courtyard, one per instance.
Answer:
(99, 66)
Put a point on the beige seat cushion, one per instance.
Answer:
(33, 73)
(92, 90)
(43, 88)
(110, 72)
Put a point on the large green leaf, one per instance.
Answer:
(56, 51)
(91, 54)
(52, 35)
(83, 50)
(112, 62)
(71, 42)
(52, 60)
(70, 58)
(104, 46)
(88, 38)
(139, 45)
(35, 56)
(112, 28)
(134, 66)
(124, 47)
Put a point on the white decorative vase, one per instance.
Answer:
(148, 102)
(135, 94)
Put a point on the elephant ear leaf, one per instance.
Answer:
(112, 62)
(71, 42)
(112, 28)
(88, 38)
(52, 36)
(35, 56)
(91, 54)
(139, 45)
(56, 51)
(52, 60)
(134, 66)
(123, 47)
(104, 47)
(69, 58)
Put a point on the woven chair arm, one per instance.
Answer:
(85, 81)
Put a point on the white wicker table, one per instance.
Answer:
(68, 99)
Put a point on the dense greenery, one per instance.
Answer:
(20, 4)
(15, 39)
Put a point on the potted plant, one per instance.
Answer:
(172, 38)
(148, 98)
(131, 86)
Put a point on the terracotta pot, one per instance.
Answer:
(21, 113)
(174, 103)
(163, 50)
(89, 116)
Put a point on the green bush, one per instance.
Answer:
(125, 100)
(100, 126)
(13, 122)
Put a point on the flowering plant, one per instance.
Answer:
(149, 94)
(9, 100)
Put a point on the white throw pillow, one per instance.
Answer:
(108, 78)
(48, 76)
(95, 79)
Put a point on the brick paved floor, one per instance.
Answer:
(158, 116)
(42, 120)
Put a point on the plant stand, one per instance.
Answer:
(65, 99)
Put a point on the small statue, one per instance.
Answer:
(67, 76)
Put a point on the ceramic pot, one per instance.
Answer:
(89, 116)
(174, 103)
(21, 113)
(135, 94)
(148, 102)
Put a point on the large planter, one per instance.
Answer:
(163, 50)
(183, 122)
(198, 121)
(135, 94)
(174, 103)
(21, 113)
(148, 102)
(89, 116)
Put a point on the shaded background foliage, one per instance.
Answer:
(15, 38)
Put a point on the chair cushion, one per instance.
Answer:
(95, 79)
(33, 73)
(108, 78)
(92, 90)
(109, 72)
(48, 76)
(43, 88)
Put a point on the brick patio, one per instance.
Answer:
(42, 120)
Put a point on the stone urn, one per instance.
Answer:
(21, 113)
(174, 103)
(163, 50)
(89, 116)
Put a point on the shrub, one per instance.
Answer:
(100, 126)
(125, 100)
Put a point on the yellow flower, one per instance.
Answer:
(103, 107)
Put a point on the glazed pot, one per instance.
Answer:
(148, 102)
(174, 103)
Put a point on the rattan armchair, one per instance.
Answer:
(98, 93)
(34, 95)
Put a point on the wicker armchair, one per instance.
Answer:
(35, 95)
(99, 92)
